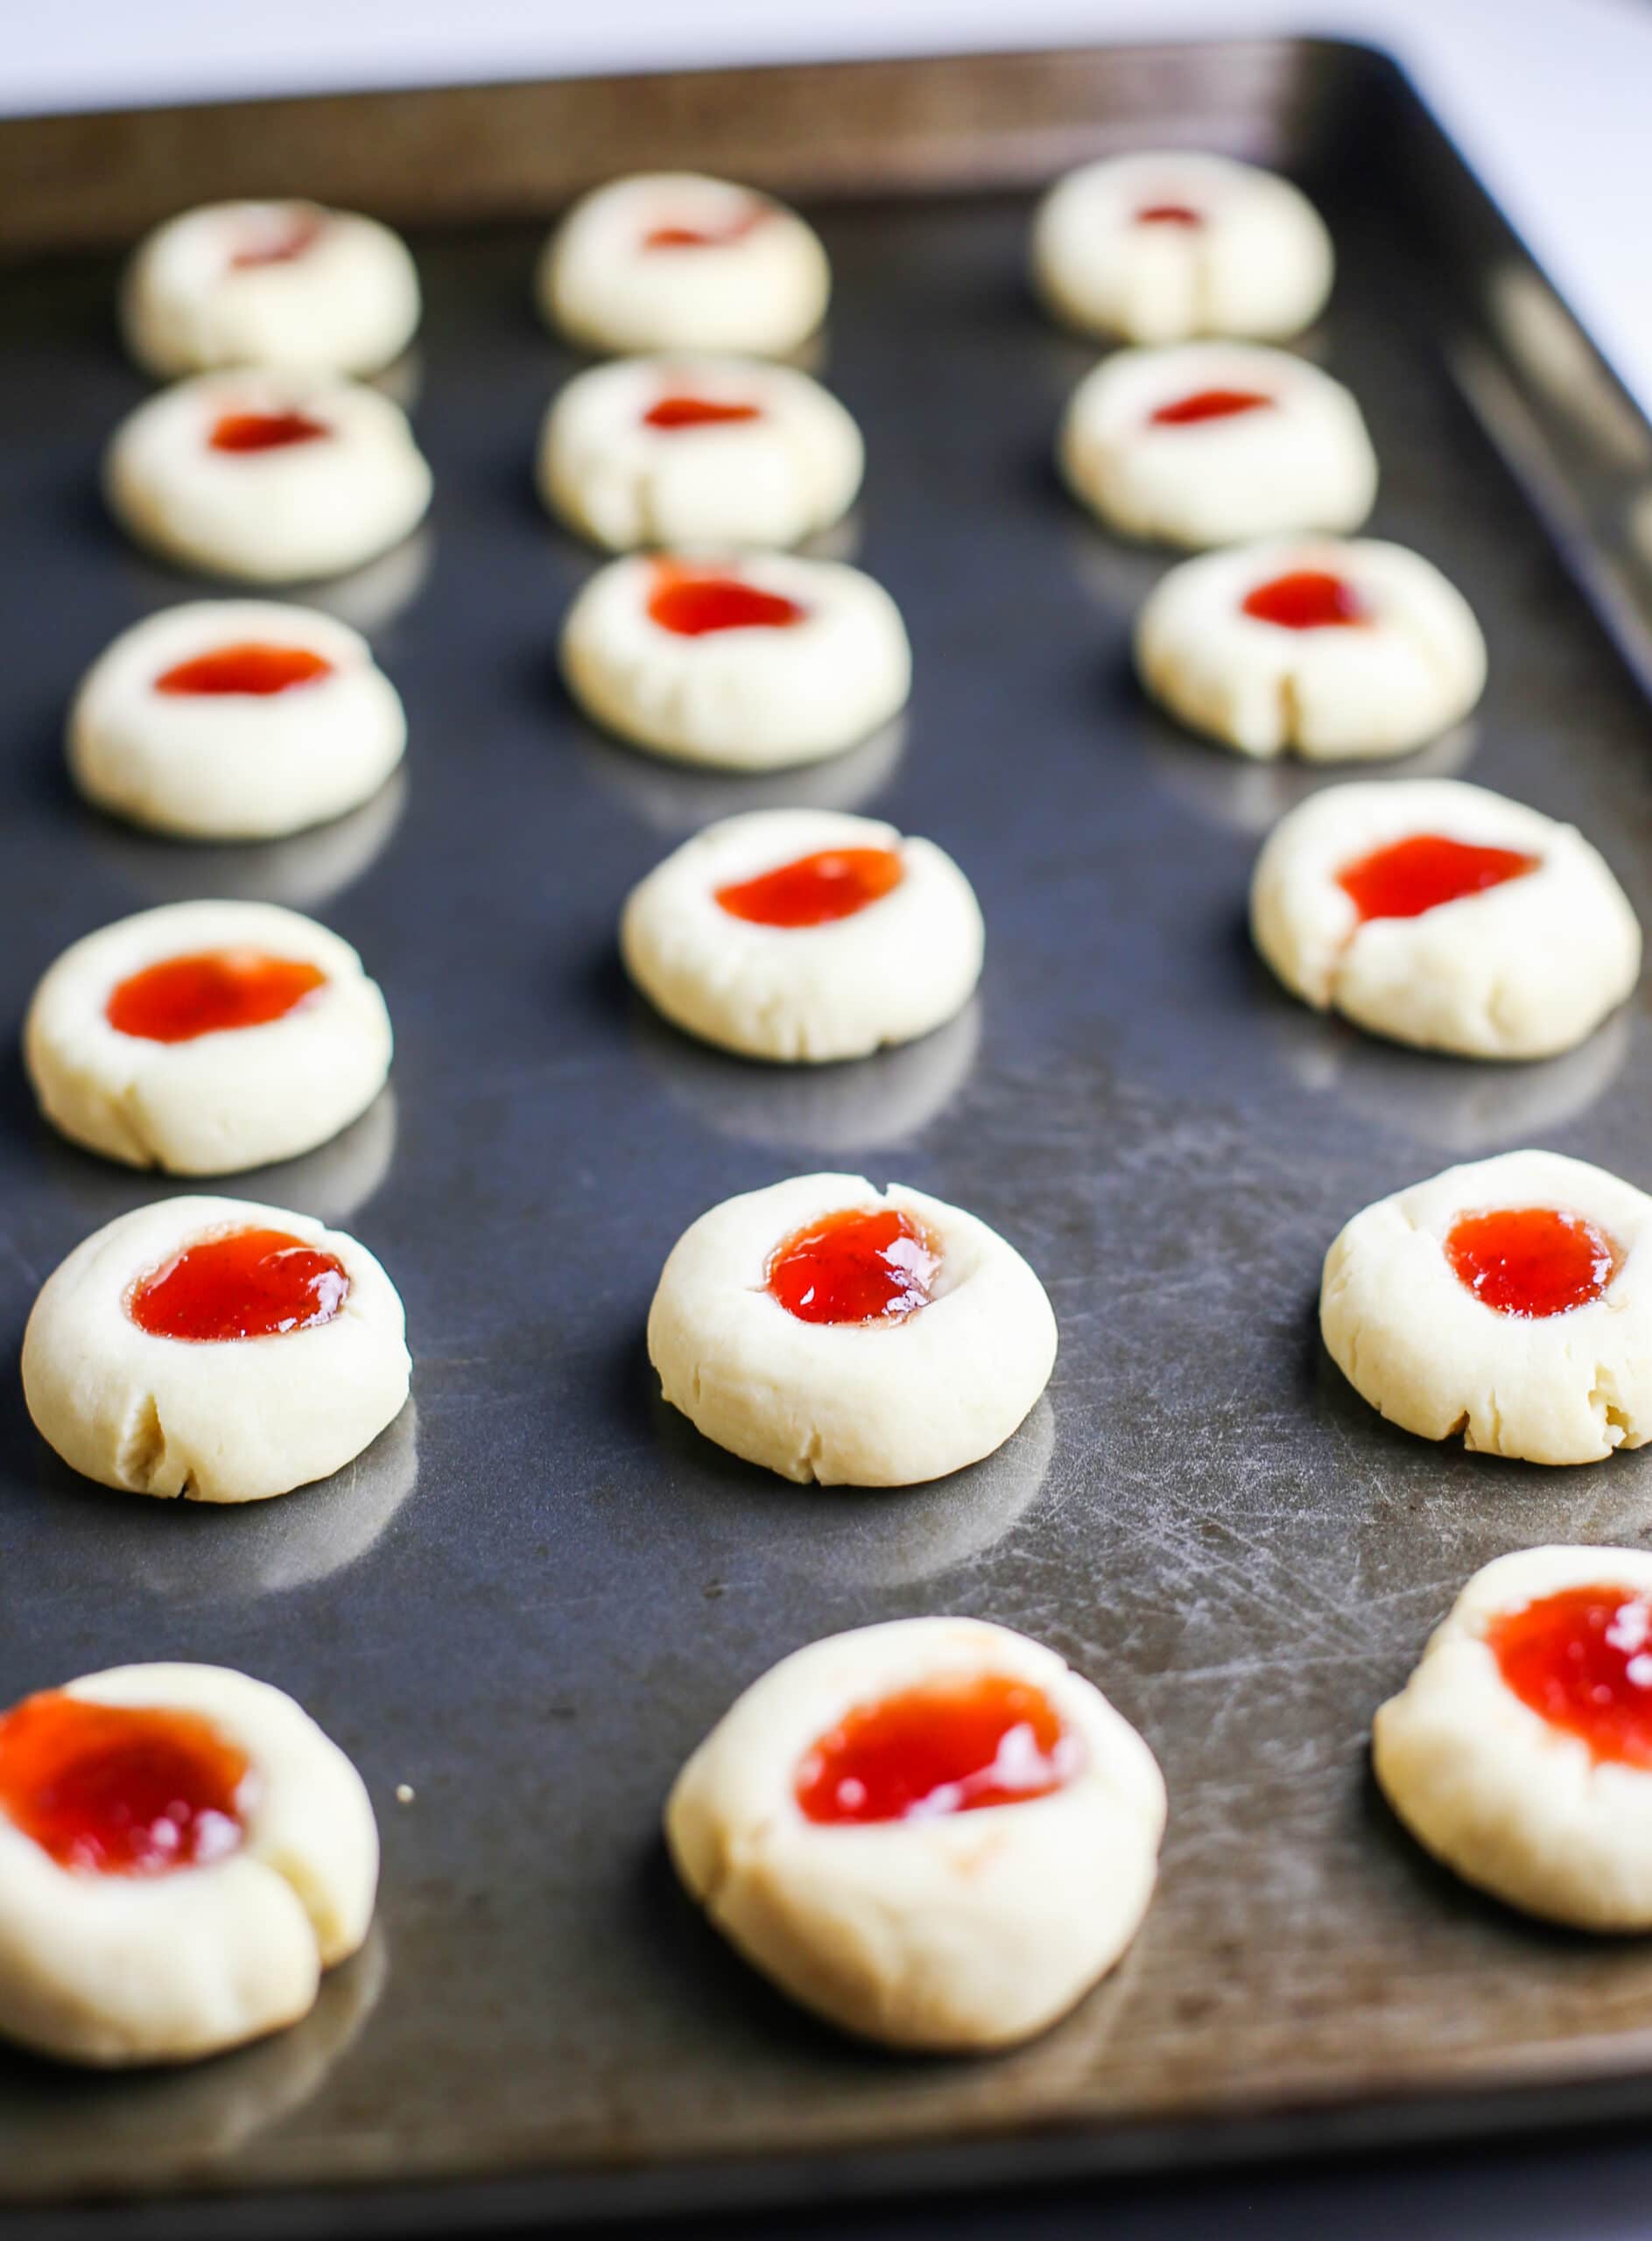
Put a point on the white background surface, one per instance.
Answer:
(1551, 99)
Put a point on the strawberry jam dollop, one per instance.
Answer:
(120, 1789)
(243, 1283)
(733, 229)
(1210, 405)
(694, 602)
(952, 1744)
(860, 1265)
(1582, 1660)
(248, 667)
(1405, 878)
(264, 432)
(1306, 598)
(281, 243)
(1169, 213)
(210, 993)
(815, 891)
(671, 413)
(1531, 1260)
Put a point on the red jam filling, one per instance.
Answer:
(834, 883)
(1583, 1660)
(950, 1745)
(1531, 1260)
(210, 993)
(1419, 873)
(1169, 213)
(719, 236)
(249, 1283)
(1209, 404)
(281, 244)
(1307, 599)
(673, 412)
(249, 668)
(264, 432)
(856, 1266)
(120, 1789)
(693, 605)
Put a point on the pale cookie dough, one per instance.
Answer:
(899, 967)
(1522, 970)
(110, 1969)
(219, 1101)
(1408, 665)
(269, 283)
(226, 1421)
(314, 507)
(757, 280)
(954, 1932)
(1512, 1802)
(1413, 1339)
(790, 468)
(234, 765)
(1158, 248)
(1301, 461)
(849, 1404)
(743, 699)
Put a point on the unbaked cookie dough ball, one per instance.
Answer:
(234, 720)
(675, 261)
(751, 663)
(1520, 1751)
(203, 1037)
(805, 934)
(1213, 442)
(698, 451)
(182, 1853)
(853, 1336)
(1335, 650)
(1441, 915)
(269, 283)
(267, 475)
(1509, 1301)
(214, 1349)
(933, 1832)
(1159, 247)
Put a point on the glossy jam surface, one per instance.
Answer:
(1420, 872)
(280, 243)
(1308, 598)
(814, 890)
(947, 1746)
(732, 230)
(1210, 405)
(694, 604)
(1583, 1660)
(264, 432)
(250, 667)
(1531, 1260)
(248, 1283)
(674, 412)
(1169, 213)
(118, 1789)
(856, 1266)
(209, 992)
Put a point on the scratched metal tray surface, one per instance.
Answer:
(537, 1592)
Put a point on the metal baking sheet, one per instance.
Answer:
(538, 1590)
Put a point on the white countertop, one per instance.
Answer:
(1551, 100)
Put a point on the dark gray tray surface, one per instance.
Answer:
(534, 1629)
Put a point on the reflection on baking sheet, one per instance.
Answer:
(371, 597)
(1251, 796)
(216, 1552)
(676, 797)
(839, 540)
(154, 2127)
(403, 380)
(331, 1183)
(1463, 1105)
(302, 871)
(1557, 361)
(853, 1106)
